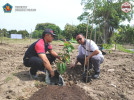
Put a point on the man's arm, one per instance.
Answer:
(54, 54)
(46, 63)
(93, 53)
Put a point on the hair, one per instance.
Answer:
(43, 34)
(80, 34)
(47, 31)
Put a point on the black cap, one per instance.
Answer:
(48, 31)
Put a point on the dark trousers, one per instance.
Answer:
(36, 63)
(93, 62)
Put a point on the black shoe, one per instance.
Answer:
(34, 77)
(96, 75)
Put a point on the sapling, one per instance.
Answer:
(65, 57)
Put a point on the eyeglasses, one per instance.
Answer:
(79, 39)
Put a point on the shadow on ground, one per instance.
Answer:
(25, 76)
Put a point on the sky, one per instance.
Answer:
(58, 12)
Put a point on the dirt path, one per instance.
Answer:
(116, 79)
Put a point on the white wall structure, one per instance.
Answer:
(16, 36)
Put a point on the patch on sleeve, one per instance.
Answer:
(39, 47)
(50, 47)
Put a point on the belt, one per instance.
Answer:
(26, 58)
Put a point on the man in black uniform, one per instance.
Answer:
(36, 57)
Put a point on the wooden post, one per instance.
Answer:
(95, 36)
(90, 39)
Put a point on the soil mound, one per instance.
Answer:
(60, 93)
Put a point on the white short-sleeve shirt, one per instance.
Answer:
(92, 48)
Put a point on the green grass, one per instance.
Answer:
(25, 41)
(28, 41)
(8, 79)
(39, 84)
(108, 46)
(17, 41)
(57, 42)
(73, 41)
(121, 48)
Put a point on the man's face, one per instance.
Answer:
(80, 39)
(49, 37)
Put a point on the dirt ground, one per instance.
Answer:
(60, 93)
(116, 80)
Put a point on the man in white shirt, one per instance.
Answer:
(93, 54)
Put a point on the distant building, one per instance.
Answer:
(16, 36)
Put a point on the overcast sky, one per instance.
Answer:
(59, 12)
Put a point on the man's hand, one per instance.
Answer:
(52, 73)
(54, 54)
(59, 58)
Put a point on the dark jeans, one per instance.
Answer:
(93, 62)
(36, 63)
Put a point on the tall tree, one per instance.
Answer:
(70, 31)
(5, 33)
(1, 36)
(37, 33)
(43, 26)
(23, 32)
(107, 13)
(12, 32)
(81, 28)
(126, 34)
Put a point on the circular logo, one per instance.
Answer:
(126, 7)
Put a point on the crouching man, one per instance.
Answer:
(94, 55)
(36, 58)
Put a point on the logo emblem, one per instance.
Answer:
(7, 8)
(51, 31)
(126, 7)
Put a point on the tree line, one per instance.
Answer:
(5, 33)
(124, 34)
(69, 32)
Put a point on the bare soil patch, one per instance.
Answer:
(116, 80)
(60, 93)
